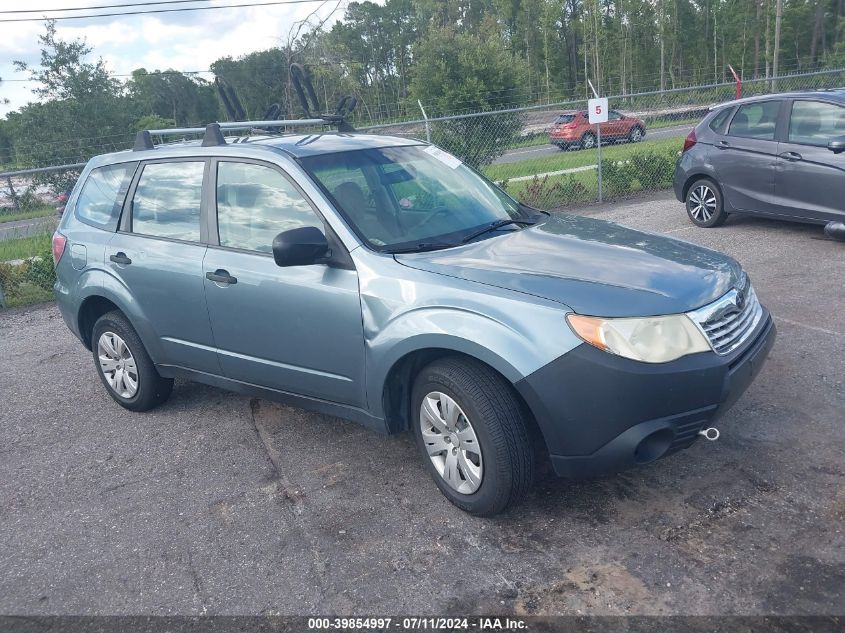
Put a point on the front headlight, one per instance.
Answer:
(648, 339)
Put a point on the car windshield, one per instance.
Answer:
(565, 118)
(413, 197)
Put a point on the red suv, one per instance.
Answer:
(573, 129)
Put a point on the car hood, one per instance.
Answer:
(592, 266)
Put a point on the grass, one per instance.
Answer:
(27, 294)
(38, 212)
(588, 188)
(23, 247)
(580, 158)
(530, 140)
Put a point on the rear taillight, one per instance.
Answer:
(59, 242)
(689, 141)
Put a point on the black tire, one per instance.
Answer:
(151, 389)
(588, 141)
(636, 134)
(500, 422)
(704, 204)
(562, 146)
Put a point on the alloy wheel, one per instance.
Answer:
(589, 141)
(636, 135)
(702, 203)
(117, 364)
(451, 443)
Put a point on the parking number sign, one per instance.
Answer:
(597, 110)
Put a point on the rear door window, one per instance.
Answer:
(102, 196)
(756, 120)
(167, 200)
(565, 118)
(815, 123)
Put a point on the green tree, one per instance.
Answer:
(170, 94)
(468, 72)
(83, 110)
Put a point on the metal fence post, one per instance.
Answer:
(427, 126)
(598, 140)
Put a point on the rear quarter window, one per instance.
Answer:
(102, 195)
(718, 122)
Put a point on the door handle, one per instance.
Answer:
(791, 156)
(221, 276)
(120, 258)
(722, 145)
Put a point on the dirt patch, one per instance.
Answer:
(601, 588)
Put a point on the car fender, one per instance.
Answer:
(113, 289)
(513, 351)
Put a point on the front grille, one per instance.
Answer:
(730, 320)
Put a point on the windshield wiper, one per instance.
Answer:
(419, 247)
(496, 225)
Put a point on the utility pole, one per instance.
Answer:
(662, 50)
(778, 19)
(715, 56)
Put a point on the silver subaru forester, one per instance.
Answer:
(381, 280)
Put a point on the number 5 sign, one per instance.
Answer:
(597, 110)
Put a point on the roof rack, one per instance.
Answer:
(213, 132)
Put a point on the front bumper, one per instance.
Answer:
(600, 413)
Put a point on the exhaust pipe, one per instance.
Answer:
(711, 434)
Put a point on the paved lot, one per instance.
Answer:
(217, 503)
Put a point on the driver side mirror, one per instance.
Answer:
(837, 145)
(301, 247)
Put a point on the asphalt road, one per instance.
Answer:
(216, 503)
(517, 155)
(25, 228)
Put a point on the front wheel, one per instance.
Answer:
(472, 432)
(704, 204)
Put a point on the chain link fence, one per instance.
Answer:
(545, 155)
(29, 212)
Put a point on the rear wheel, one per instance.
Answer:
(636, 134)
(472, 432)
(588, 141)
(124, 367)
(704, 204)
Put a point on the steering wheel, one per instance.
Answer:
(435, 212)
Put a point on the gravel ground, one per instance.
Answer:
(220, 504)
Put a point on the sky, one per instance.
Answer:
(187, 41)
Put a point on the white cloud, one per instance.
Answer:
(188, 41)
